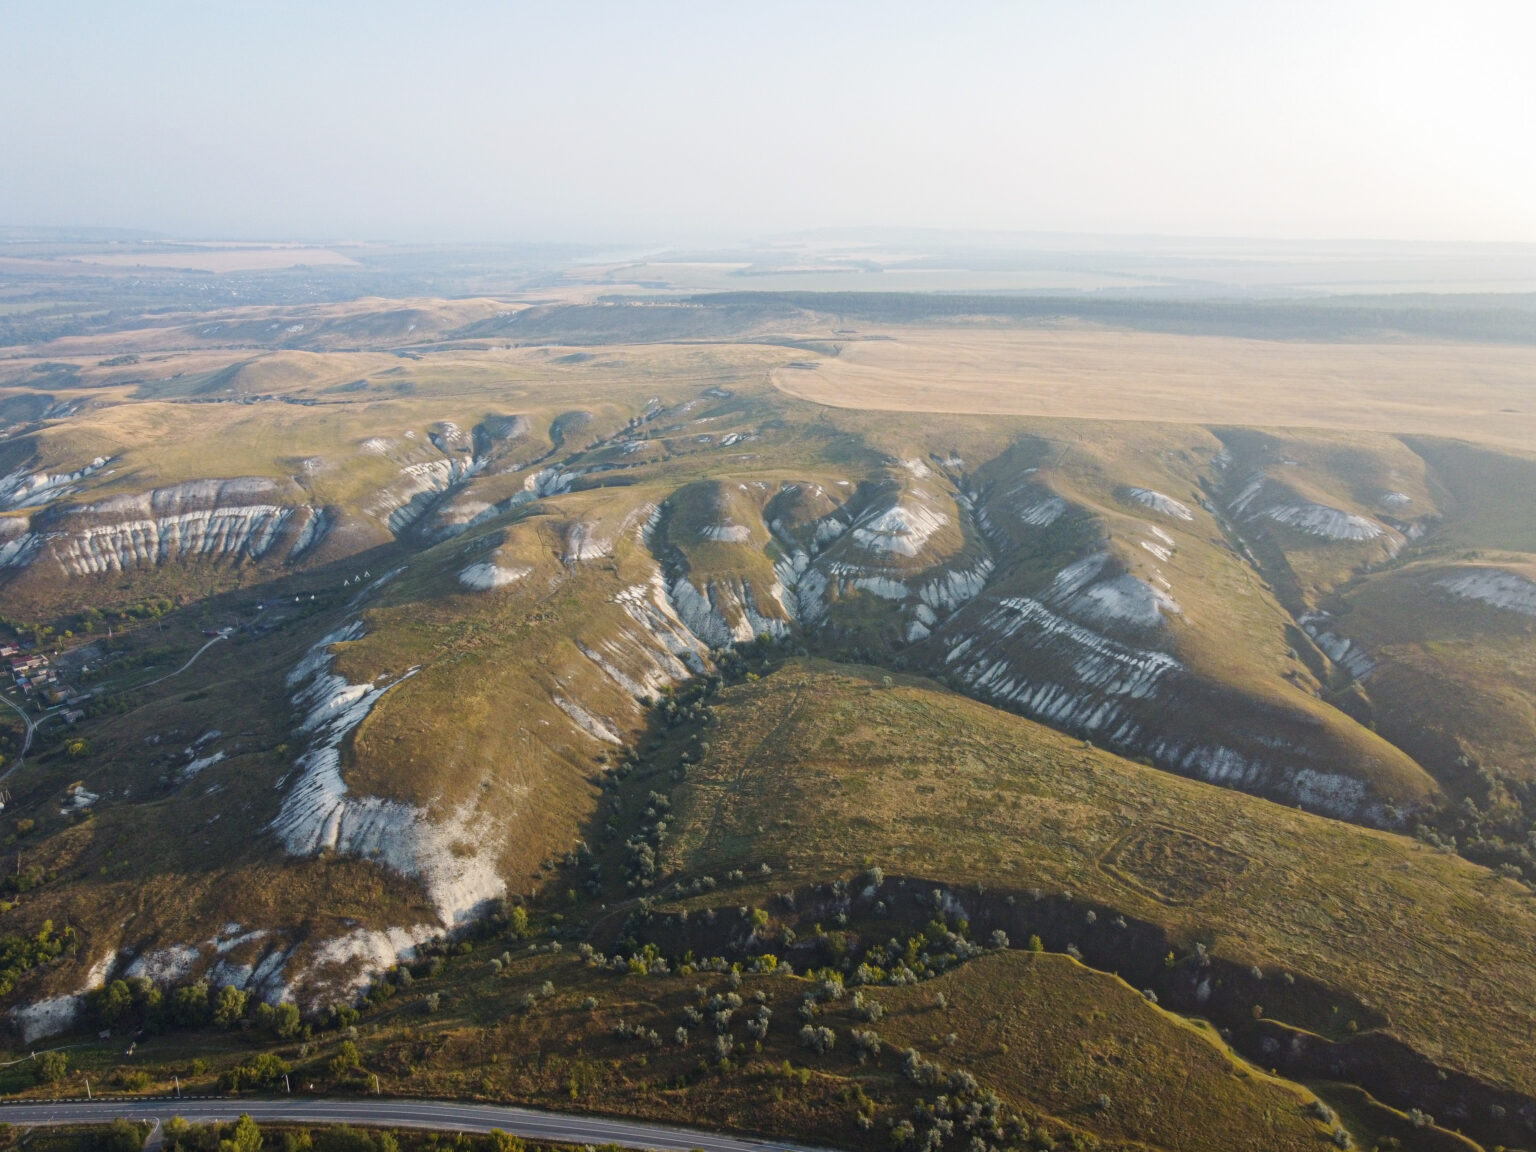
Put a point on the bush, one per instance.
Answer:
(51, 1067)
(285, 1021)
(229, 1006)
(262, 1071)
(341, 1138)
(177, 1133)
(345, 1062)
(111, 1003)
(866, 1044)
(243, 1137)
(121, 1136)
(818, 1040)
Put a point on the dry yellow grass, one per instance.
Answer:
(192, 256)
(1473, 391)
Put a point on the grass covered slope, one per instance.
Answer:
(820, 767)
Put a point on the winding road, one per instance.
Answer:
(26, 743)
(438, 1115)
(190, 661)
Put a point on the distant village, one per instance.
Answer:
(36, 678)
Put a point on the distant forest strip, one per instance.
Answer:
(1483, 317)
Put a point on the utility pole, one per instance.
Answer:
(88, 1088)
(177, 1079)
(286, 1086)
(376, 1084)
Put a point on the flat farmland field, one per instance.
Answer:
(1479, 392)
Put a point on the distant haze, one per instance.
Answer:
(703, 122)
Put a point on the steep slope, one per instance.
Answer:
(820, 769)
(1117, 611)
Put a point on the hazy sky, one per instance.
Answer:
(706, 121)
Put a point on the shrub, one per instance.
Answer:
(1035, 944)
(121, 1136)
(244, 1137)
(282, 1020)
(866, 1043)
(190, 1007)
(264, 1070)
(229, 1006)
(51, 1067)
(341, 1138)
(819, 1040)
(111, 1003)
(345, 1061)
(505, 1141)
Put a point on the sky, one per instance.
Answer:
(697, 122)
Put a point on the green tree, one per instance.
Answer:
(111, 1003)
(505, 1141)
(517, 921)
(190, 1007)
(121, 1136)
(229, 1007)
(345, 1061)
(51, 1067)
(245, 1137)
(285, 1021)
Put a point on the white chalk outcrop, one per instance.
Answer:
(582, 543)
(901, 528)
(1081, 656)
(1087, 592)
(23, 489)
(417, 489)
(344, 966)
(1493, 586)
(726, 533)
(1158, 502)
(726, 611)
(1344, 652)
(487, 574)
(1261, 499)
(46, 1017)
(320, 812)
(229, 520)
(244, 532)
(593, 726)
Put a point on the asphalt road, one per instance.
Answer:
(26, 745)
(441, 1116)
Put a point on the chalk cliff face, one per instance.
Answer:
(213, 520)
(320, 813)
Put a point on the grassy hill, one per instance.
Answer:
(579, 606)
